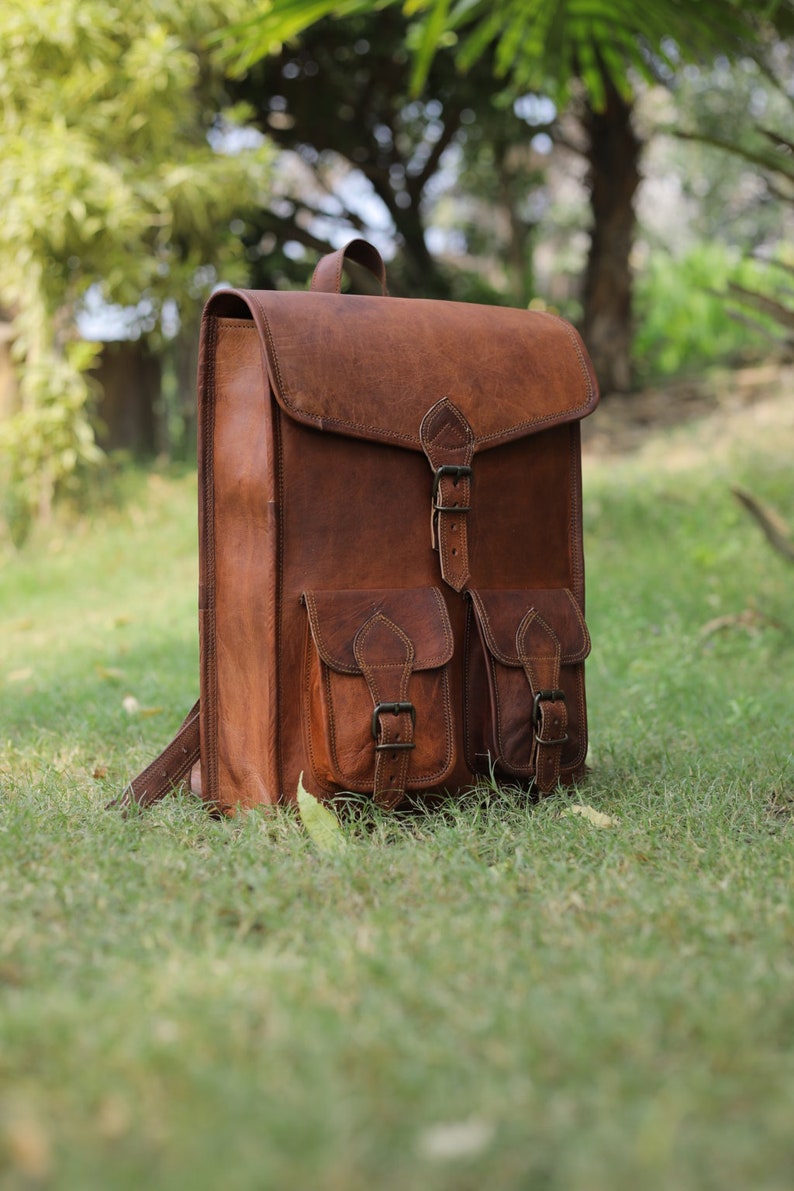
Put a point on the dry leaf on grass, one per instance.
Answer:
(455, 1139)
(597, 818)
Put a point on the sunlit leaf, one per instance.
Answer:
(432, 34)
(322, 825)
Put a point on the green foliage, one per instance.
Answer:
(108, 180)
(686, 317)
(47, 443)
(539, 45)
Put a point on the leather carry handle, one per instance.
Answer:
(327, 277)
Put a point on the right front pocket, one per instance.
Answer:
(378, 713)
(524, 701)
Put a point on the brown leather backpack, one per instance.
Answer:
(391, 594)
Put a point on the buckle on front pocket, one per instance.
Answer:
(546, 696)
(392, 709)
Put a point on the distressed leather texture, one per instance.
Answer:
(391, 567)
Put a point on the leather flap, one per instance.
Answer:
(371, 367)
(337, 617)
(500, 614)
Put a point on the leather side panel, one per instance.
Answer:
(240, 558)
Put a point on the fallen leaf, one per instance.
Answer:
(322, 825)
(597, 818)
(100, 771)
(457, 1139)
(147, 711)
(110, 673)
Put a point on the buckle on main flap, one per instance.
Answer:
(460, 472)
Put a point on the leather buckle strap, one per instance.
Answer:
(539, 649)
(458, 473)
(541, 697)
(167, 772)
(448, 441)
(386, 657)
(392, 709)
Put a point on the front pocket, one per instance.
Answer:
(378, 714)
(524, 702)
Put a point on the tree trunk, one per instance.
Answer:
(129, 374)
(614, 151)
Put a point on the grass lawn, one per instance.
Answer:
(501, 995)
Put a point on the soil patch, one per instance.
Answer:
(723, 407)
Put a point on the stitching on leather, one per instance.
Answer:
(569, 331)
(492, 656)
(320, 418)
(380, 789)
(575, 534)
(278, 586)
(454, 569)
(442, 406)
(515, 766)
(365, 631)
(529, 659)
(211, 744)
(571, 659)
(445, 626)
(423, 778)
(412, 780)
(467, 705)
(408, 674)
(565, 659)
(307, 708)
(432, 663)
(326, 676)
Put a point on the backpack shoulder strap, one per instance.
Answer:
(168, 770)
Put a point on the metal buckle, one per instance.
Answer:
(393, 709)
(460, 472)
(547, 696)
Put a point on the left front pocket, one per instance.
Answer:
(377, 708)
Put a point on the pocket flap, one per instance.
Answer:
(336, 618)
(500, 614)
